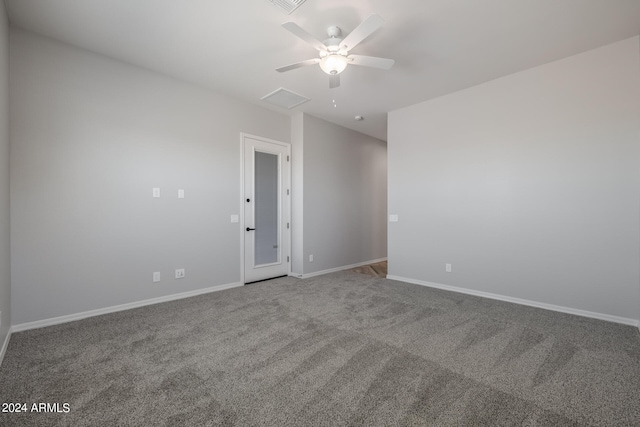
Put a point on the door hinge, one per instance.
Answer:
(287, 191)
(287, 158)
(287, 226)
(287, 259)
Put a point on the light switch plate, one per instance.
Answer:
(156, 276)
(180, 193)
(235, 218)
(156, 192)
(393, 218)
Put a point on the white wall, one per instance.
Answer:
(5, 258)
(90, 138)
(528, 185)
(345, 192)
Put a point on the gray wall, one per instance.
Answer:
(528, 185)
(297, 194)
(91, 137)
(5, 259)
(345, 192)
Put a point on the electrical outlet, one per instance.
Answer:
(156, 276)
(447, 268)
(310, 258)
(180, 273)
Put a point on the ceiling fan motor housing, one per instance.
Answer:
(334, 31)
(333, 45)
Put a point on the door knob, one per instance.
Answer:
(250, 229)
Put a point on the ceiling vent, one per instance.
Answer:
(284, 98)
(287, 5)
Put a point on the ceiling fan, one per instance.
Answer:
(334, 52)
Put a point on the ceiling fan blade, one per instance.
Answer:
(371, 61)
(334, 81)
(300, 32)
(362, 31)
(298, 65)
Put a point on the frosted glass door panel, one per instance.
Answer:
(267, 249)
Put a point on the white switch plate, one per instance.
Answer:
(310, 258)
(447, 267)
(156, 276)
(156, 192)
(235, 218)
(180, 193)
(180, 273)
(393, 218)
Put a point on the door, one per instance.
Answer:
(266, 197)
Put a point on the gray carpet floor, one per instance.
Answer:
(339, 349)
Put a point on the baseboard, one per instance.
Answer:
(78, 316)
(5, 344)
(333, 270)
(559, 308)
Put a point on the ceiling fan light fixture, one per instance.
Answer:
(333, 64)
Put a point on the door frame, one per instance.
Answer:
(286, 199)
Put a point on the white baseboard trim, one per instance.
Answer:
(72, 317)
(552, 307)
(333, 270)
(5, 344)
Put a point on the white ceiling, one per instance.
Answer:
(233, 47)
